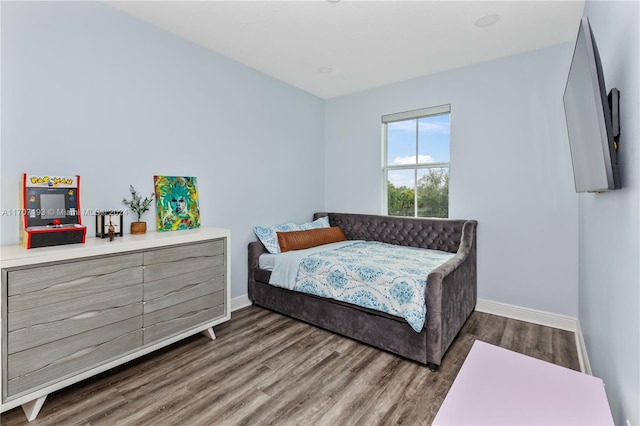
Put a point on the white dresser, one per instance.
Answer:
(70, 312)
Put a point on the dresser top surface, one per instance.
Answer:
(14, 256)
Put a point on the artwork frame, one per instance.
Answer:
(177, 202)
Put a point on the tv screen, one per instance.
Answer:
(589, 119)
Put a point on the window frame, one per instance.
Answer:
(405, 116)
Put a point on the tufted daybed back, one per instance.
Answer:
(436, 234)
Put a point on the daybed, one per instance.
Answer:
(450, 292)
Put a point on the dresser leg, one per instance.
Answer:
(32, 408)
(209, 333)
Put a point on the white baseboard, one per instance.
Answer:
(585, 367)
(548, 319)
(529, 315)
(240, 302)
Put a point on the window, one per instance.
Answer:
(416, 162)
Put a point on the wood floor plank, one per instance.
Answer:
(194, 407)
(565, 351)
(268, 369)
(360, 395)
(397, 395)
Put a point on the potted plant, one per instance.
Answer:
(138, 206)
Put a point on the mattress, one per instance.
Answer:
(370, 274)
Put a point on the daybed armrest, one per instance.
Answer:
(466, 249)
(452, 293)
(256, 248)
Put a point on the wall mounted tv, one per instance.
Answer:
(592, 118)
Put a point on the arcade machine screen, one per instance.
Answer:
(52, 206)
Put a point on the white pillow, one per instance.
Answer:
(323, 222)
(268, 236)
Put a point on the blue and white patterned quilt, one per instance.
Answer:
(384, 277)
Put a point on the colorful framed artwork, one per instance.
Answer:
(176, 202)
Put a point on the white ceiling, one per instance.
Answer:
(366, 44)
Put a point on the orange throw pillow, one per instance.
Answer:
(298, 240)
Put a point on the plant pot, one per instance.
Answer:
(138, 228)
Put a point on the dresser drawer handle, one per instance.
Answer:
(89, 314)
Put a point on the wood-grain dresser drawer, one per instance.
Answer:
(175, 254)
(30, 328)
(182, 316)
(169, 291)
(181, 260)
(47, 285)
(36, 367)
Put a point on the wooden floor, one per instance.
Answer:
(265, 368)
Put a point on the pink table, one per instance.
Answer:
(496, 386)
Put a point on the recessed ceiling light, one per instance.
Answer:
(487, 20)
(325, 70)
(333, 1)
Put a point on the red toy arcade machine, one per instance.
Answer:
(51, 211)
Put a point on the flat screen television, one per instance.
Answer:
(592, 118)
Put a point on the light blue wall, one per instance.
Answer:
(89, 90)
(510, 168)
(609, 232)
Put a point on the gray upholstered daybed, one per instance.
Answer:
(451, 287)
